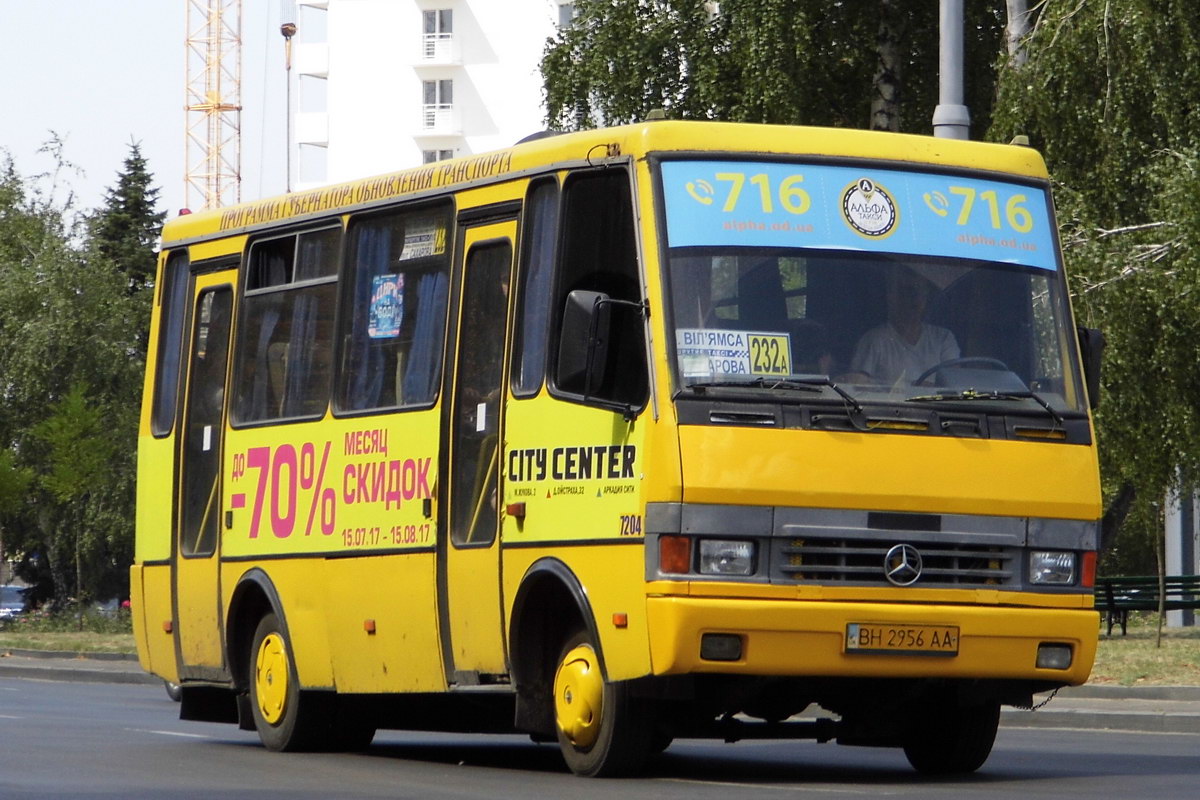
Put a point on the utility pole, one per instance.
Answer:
(951, 119)
(287, 27)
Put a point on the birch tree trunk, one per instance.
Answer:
(885, 98)
(1017, 31)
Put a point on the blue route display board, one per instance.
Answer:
(771, 204)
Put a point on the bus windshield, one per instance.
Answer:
(812, 274)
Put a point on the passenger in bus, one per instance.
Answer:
(900, 350)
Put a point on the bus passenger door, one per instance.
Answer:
(469, 557)
(197, 543)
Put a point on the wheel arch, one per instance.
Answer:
(254, 596)
(550, 605)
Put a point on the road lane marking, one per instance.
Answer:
(169, 733)
(9, 716)
(781, 787)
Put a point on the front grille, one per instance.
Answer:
(839, 560)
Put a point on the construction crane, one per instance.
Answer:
(213, 129)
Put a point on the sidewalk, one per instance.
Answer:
(1144, 709)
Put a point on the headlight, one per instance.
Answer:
(1051, 568)
(724, 557)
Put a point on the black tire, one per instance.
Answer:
(952, 740)
(287, 718)
(603, 731)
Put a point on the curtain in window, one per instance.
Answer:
(421, 376)
(365, 360)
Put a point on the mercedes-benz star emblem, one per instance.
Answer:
(902, 565)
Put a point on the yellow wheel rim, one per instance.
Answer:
(271, 678)
(579, 696)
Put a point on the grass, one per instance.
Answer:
(1134, 660)
(68, 641)
(1131, 660)
(92, 631)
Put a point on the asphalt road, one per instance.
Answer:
(87, 740)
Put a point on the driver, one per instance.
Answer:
(905, 346)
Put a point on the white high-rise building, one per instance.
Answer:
(383, 85)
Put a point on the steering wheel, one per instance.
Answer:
(972, 361)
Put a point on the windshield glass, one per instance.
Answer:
(894, 285)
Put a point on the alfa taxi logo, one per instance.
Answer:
(869, 210)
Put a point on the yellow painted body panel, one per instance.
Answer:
(808, 638)
(156, 462)
(613, 575)
(396, 593)
(304, 594)
(151, 607)
(155, 486)
(578, 470)
(936, 474)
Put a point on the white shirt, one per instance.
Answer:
(887, 358)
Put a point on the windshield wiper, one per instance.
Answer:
(756, 383)
(806, 383)
(973, 394)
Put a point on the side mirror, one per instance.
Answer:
(1091, 352)
(583, 343)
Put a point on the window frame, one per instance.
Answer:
(172, 335)
(344, 323)
(559, 294)
(523, 282)
(246, 294)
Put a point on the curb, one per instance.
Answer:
(76, 675)
(1102, 720)
(69, 654)
(68, 666)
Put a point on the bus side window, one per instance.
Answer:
(539, 238)
(393, 310)
(599, 254)
(285, 334)
(170, 342)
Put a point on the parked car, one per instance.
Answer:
(12, 601)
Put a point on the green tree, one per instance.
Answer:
(813, 62)
(67, 319)
(1108, 92)
(126, 228)
(79, 451)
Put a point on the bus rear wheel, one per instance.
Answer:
(288, 719)
(602, 730)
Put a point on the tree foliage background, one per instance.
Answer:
(74, 306)
(1108, 90)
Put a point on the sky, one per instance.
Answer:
(103, 73)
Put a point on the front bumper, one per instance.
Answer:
(808, 638)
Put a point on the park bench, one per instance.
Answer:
(1116, 597)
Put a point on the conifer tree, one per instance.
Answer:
(126, 229)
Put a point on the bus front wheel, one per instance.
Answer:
(602, 730)
(952, 739)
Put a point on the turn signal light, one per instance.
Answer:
(1087, 578)
(675, 554)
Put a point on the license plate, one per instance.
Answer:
(925, 640)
